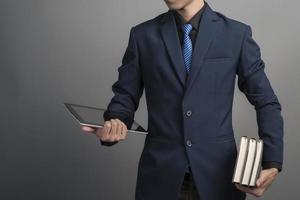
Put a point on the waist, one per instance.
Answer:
(188, 176)
(188, 170)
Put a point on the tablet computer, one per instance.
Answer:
(93, 117)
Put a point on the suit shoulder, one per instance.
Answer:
(149, 24)
(234, 27)
(232, 23)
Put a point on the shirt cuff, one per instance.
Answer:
(105, 143)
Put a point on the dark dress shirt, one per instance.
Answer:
(195, 22)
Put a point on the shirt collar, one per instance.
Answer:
(194, 21)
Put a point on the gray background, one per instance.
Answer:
(52, 51)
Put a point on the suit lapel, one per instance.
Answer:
(170, 36)
(207, 29)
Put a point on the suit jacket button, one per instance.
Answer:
(189, 143)
(189, 113)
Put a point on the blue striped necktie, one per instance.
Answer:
(187, 48)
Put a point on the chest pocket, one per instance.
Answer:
(218, 59)
(223, 70)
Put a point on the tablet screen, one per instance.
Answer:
(93, 115)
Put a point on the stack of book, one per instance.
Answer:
(248, 162)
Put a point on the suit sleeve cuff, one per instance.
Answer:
(272, 164)
(127, 120)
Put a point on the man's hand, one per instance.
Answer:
(113, 130)
(267, 176)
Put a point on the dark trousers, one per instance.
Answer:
(188, 189)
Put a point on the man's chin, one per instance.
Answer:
(173, 6)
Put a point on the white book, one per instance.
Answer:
(249, 162)
(257, 163)
(241, 160)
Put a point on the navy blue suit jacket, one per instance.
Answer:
(190, 119)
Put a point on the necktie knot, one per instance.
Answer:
(186, 28)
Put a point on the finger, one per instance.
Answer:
(88, 129)
(105, 131)
(253, 191)
(243, 188)
(270, 177)
(257, 192)
(262, 178)
(267, 182)
(112, 133)
(119, 129)
(124, 131)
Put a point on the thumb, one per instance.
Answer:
(88, 129)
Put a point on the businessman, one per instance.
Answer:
(187, 60)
